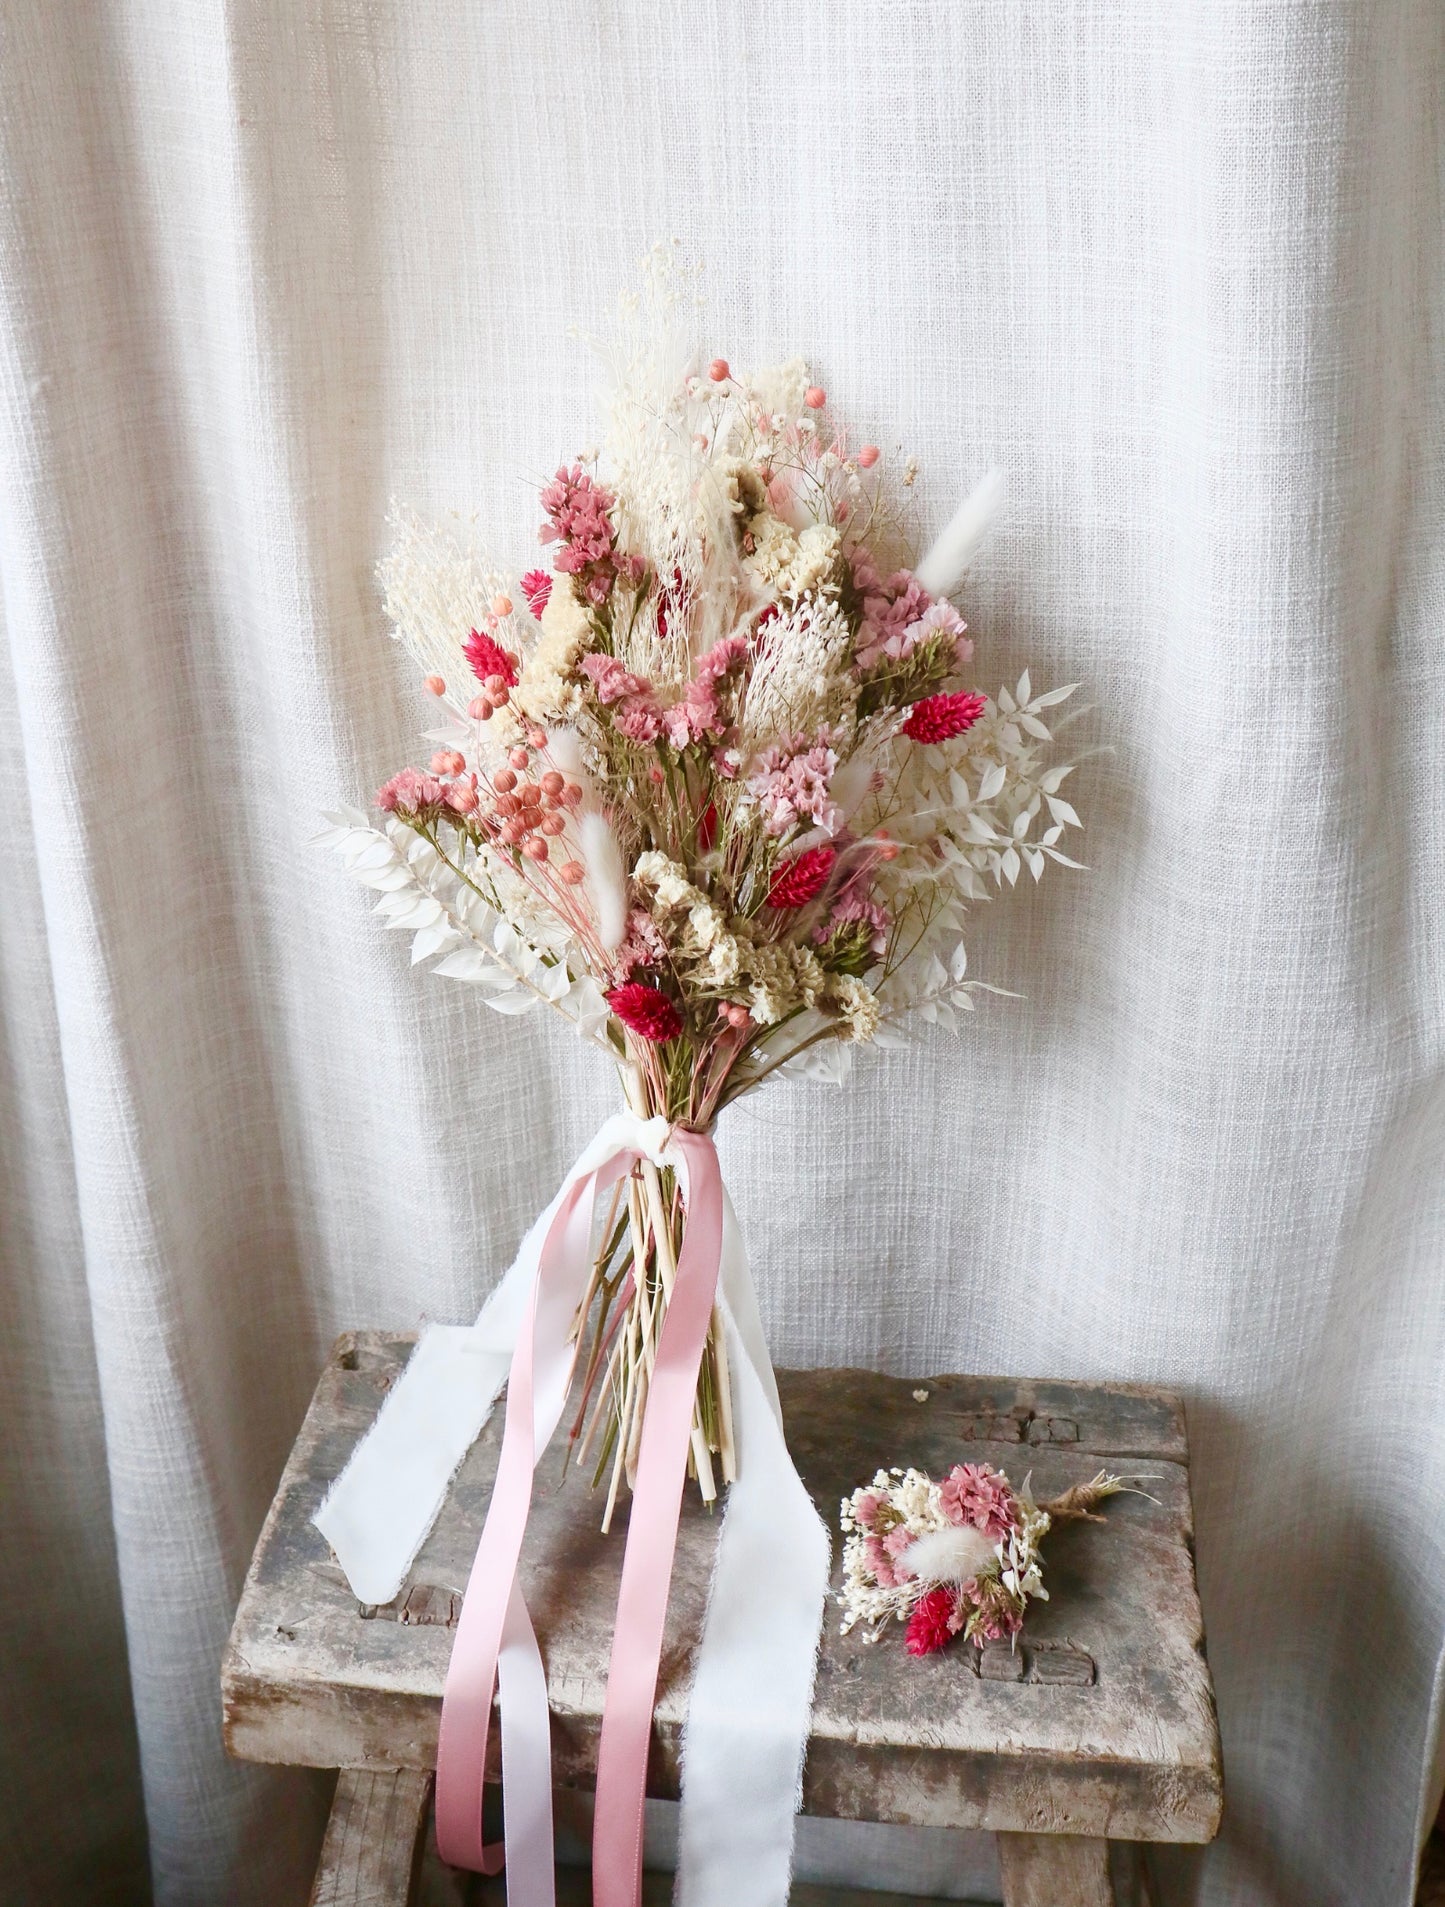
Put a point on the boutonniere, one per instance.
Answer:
(960, 1557)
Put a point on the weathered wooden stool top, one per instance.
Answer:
(1101, 1723)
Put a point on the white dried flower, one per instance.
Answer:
(548, 689)
(792, 562)
(799, 681)
(436, 589)
(780, 388)
(856, 1004)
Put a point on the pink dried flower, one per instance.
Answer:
(642, 945)
(611, 681)
(897, 1544)
(537, 588)
(857, 912)
(725, 654)
(580, 520)
(640, 720)
(989, 1611)
(879, 1562)
(866, 580)
(976, 1493)
(408, 792)
(489, 658)
(930, 1627)
(942, 619)
(866, 1508)
(890, 619)
(938, 718)
(645, 1011)
(791, 781)
(695, 718)
(802, 879)
(580, 516)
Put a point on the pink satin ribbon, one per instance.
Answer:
(495, 1639)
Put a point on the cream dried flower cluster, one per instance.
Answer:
(716, 785)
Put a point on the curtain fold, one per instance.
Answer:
(265, 264)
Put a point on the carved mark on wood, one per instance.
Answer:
(1001, 1662)
(1060, 1664)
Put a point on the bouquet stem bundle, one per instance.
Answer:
(621, 1318)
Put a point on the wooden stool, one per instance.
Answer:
(1098, 1729)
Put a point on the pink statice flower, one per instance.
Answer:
(579, 515)
(855, 911)
(725, 654)
(976, 1493)
(866, 580)
(409, 792)
(691, 720)
(891, 620)
(612, 682)
(642, 945)
(790, 784)
(640, 720)
(942, 619)
(579, 518)
(697, 716)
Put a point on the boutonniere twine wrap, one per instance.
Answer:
(958, 1558)
(717, 791)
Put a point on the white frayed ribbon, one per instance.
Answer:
(751, 1701)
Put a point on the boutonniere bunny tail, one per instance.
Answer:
(958, 1558)
(715, 784)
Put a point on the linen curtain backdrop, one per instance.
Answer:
(265, 264)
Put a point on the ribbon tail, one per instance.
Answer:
(492, 1609)
(652, 1535)
(526, 1764)
(752, 1696)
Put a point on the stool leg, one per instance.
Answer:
(1055, 1870)
(373, 1839)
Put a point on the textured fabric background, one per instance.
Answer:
(264, 263)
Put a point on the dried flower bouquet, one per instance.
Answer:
(717, 788)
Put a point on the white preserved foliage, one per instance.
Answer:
(421, 894)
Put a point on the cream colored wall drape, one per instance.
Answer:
(1177, 267)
